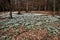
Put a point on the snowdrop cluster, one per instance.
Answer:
(30, 21)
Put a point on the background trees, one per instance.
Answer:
(57, 6)
(26, 5)
(4, 5)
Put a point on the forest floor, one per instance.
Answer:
(29, 27)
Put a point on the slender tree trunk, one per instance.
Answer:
(11, 14)
(27, 6)
(39, 4)
(58, 12)
(39, 7)
(18, 6)
(11, 9)
(19, 12)
(54, 8)
(45, 5)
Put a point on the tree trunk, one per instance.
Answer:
(54, 7)
(39, 7)
(19, 12)
(27, 6)
(45, 5)
(11, 14)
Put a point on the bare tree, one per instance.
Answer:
(26, 5)
(19, 6)
(57, 7)
(45, 5)
(53, 7)
(10, 4)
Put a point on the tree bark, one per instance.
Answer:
(11, 14)
(54, 7)
(45, 5)
(27, 6)
(19, 12)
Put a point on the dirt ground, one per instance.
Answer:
(23, 34)
(37, 12)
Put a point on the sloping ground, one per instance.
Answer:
(30, 27)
